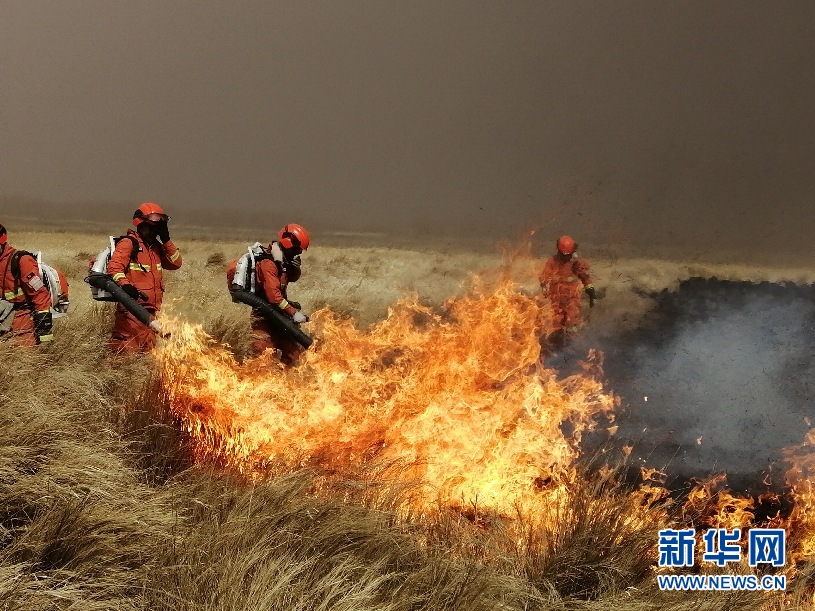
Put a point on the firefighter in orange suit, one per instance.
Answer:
(137, 267)
(274, 273)
(25, 309)
(563, 279)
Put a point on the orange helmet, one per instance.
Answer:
(566, 245)
(150, 212)
(3, 235)
(293, 235)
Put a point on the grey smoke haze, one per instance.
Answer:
(687, 123)
(727, 370)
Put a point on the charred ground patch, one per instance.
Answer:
(717, 378)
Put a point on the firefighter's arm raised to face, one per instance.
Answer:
(170, 256)
(269, 279)
(38, 296)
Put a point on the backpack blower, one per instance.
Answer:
(104, 288)
(103, 282)
(241, 279)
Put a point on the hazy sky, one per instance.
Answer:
(635, 120)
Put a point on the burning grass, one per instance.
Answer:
(135, 484)
(456, 398)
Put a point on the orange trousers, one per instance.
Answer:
(567, 315)
(22, 330)
(130, 336)
(265, 336)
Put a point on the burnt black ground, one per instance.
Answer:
(717, 378)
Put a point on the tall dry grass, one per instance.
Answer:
(101, 506)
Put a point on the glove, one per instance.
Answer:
(62, 305)
(295, 305)
(296, 261)
(133, 292)
(300, 317)
(163, 231)
(592, 295)
(43, 325)
(155, 327)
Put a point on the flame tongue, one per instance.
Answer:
(800, 478)
(458, 399)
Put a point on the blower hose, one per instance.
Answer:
(277, 318)
(106, 283)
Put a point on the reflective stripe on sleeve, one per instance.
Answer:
(118, 276)
(175, 255)
(142, 267)
(283, 304)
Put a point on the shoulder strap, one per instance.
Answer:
(134, 246)
(14, 261)
(5, 273)
(264, 256)
(269, 257)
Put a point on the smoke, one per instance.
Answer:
(654, 126)
(716, 379)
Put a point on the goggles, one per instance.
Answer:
(155, 217)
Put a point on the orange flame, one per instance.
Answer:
(800, 478)
(459, 399)
(715, 507)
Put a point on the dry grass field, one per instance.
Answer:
(103, 507)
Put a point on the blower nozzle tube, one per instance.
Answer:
(273, 315)
(106, 283)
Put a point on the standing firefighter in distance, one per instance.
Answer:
(275, 267)
(136, 265)
(563, 278)
(25, 307)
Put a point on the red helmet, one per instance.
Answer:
(566, 245)
(293, 235)
(150, 212)
(3, 235)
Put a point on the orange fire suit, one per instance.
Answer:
(273, 276)
(143, 269)
(31, 323)
(563, 283)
